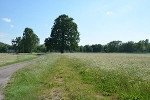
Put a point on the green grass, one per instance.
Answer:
(26, 82)
(123, 76)
(80, 76)
(7, 59)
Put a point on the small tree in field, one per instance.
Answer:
(64, 34)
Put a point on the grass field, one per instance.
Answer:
(83, 76)
(6, 59)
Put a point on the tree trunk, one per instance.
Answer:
(62, 44)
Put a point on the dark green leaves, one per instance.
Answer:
(64, 35)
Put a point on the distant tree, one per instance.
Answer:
(29, 40)
(81, 49)
(64, 34)
(128, 47)
(16, 43)
(4, 47)
(141, 46)
(84, 49)
(88, 48)
(48, 44)
(105, 48)
(40, 48)
(147, 45)
(97, 48)
(114, 46)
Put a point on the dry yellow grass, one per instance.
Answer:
(6, 58)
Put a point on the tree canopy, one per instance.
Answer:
(4, 47)
(27, 42)
(64, 35)
(118, 46)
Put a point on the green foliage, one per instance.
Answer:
(27, 43)
(29, 40)
(64, 35)
(48, 44)
(88, 48)
(143, 46)
(17, 44)
(97, 48)
(113, 46)
(4, 47)
(40, 48)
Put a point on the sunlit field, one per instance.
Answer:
(83, 76)
(6, 58)
(137, 65)
(126, 76)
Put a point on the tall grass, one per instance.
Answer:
(124, 76)
(83, 77)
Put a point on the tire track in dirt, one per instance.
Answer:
(7, 71)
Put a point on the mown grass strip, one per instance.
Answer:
(66, 83)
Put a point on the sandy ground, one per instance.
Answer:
(7, 71)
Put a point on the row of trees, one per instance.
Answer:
(65, 37)
(27, 43)
(118, 46)
(4, 47)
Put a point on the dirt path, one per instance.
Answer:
(7, 71)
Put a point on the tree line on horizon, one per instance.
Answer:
(64, 37)
(143, 46)
(4, 47)
(118, 47)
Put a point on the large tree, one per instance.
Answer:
(29, 40)
(64, 34)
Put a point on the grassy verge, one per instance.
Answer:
(70, 77)
(7, 59)
(25, 83)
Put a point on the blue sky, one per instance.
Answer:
(99, 21)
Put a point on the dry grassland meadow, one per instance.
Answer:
(10, 58)
(83, 76)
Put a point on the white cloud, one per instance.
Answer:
(108, 13)
(2, 35)
(11, 26)
(6, 20)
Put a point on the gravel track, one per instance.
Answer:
(7, 71)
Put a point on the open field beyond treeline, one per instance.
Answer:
(83, 76)
(10, 58)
